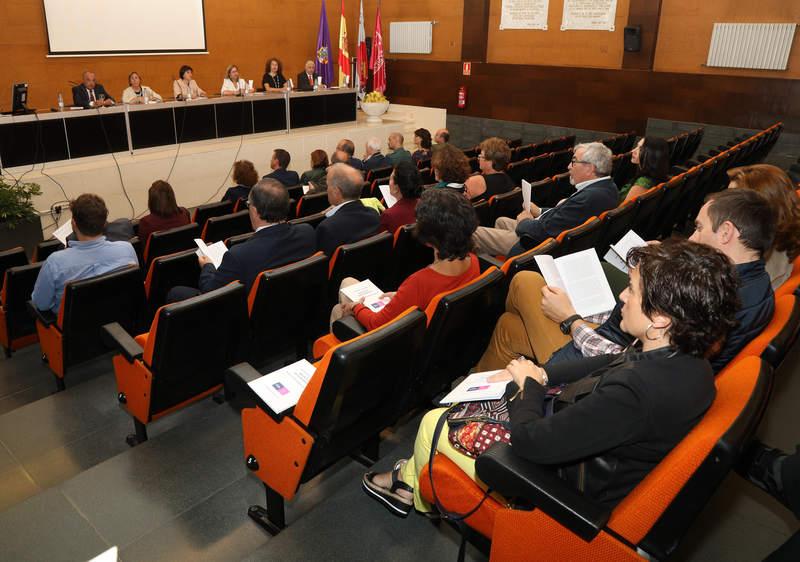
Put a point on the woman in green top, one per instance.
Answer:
(319, 167)
(651, 156)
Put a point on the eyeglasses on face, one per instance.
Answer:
(576, 161)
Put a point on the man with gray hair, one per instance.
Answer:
(373, 159)
(596, 192)
(347, 220)
(275, 242)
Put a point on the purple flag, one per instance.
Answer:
(323, 64)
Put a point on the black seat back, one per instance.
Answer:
(377, 173)
(205, 212)
(519, 171)
(561, 160)
(646, 223)
(170, 241)
(408, 256)
(458, 333)
(616, 224)
(195, 341)
(170, 271)
(89, 304)
(313, 220)
(18, 285)
(12, 258)
(505, 205)
(365, 259)
(225, 226)
(541, 167)
(44, 249)
(483, 212)
(580, 238)
(312, 204)
(288, 307)
(358, 398)
(238, 239)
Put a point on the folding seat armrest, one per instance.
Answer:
(238, 379)
(516, 478)
(46, 317)
(347, 328)
(116, 337)
(485, 261)
(677, 170)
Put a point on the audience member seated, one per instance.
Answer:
(276, 242)
(245, 176)
(738, 224)
(442, 136)
(185, 88)
(88, 256)
(321, 184)
(347, 220)
(164, 211)
(450, 167)
(273, 80)
(422, 140)
(398, 152)
(89, 93)
(405, 185)
(278, 164)
(319, 167)
(136, 92)
(445, 222)
(373, 159)
(634, 407)
(651, 156)
(350, 148)
(776, 187)
(595, 192)
(493, 159)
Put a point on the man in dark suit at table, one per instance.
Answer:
(347, 220)
(89, 93)
(307, 78)
(350, 148)
(276, 242)
(373, 158)
(279, 162)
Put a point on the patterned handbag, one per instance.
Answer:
(475, 426)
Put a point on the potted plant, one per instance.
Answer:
(19, 222)
(374, 105)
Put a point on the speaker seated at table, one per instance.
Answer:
(307, 78)
(89, 93)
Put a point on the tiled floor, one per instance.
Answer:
(70, 487)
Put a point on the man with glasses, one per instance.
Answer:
(275, 242)
(595, 192)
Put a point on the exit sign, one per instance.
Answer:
(467, 68)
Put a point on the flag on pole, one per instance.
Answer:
(323, 65)
(344, 55)
(361, 53)
(376, 62)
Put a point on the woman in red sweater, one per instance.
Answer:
(164, 211)
(405, 185)
(445, 222)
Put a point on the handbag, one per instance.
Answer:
(476, 426)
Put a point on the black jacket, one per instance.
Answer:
(356, 163)
(286, 177)
(80, 96)
(351, 223)
(233, 194)
(606, 443)
(589, 201)
(302, 81)
(274, 246)
(375, 161)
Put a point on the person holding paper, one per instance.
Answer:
(651, 157)
(445, 222)
(164, 211)
(278, 164)
(319, 169)
(595, 192)
(493, 158)
(276, 242)
(348, 220)
(405, 186)
(88, 256)
(636, 407)
(234, 85)
(136, 92)
(398, 153)
(245, 176)
(373, 159)
(185, 88)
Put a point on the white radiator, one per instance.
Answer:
(411, 37)
(751, 45)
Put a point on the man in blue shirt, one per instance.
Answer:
(88, 256)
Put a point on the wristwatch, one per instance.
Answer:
(567, 324)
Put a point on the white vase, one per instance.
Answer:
(374, 110)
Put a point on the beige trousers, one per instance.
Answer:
(498, 240)
(336, 311)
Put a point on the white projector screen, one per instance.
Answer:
(88, 27)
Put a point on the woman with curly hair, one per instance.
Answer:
(618, 415)
(776, 187)
(445, 222)
(450, 167)
(493, 158)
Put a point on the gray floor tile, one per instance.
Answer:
(16, 485)
(47, 527)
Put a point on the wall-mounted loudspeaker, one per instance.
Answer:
(633, 38)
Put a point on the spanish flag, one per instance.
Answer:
(344, 56)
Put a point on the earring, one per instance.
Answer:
(647, 332)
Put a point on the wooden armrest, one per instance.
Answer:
(117, 338)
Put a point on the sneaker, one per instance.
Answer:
(758, 465)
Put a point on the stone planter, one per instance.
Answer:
(374, 110)
(26, 234)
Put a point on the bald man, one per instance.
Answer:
(307, 78)
(347, 220)
(442, 136)
(398, 153)
(89, 93)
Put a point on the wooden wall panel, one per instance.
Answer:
(599, 49)
(596, 99)
(645, 14)
(244, 32)
(685, 33)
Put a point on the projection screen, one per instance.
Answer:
(88, 27)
